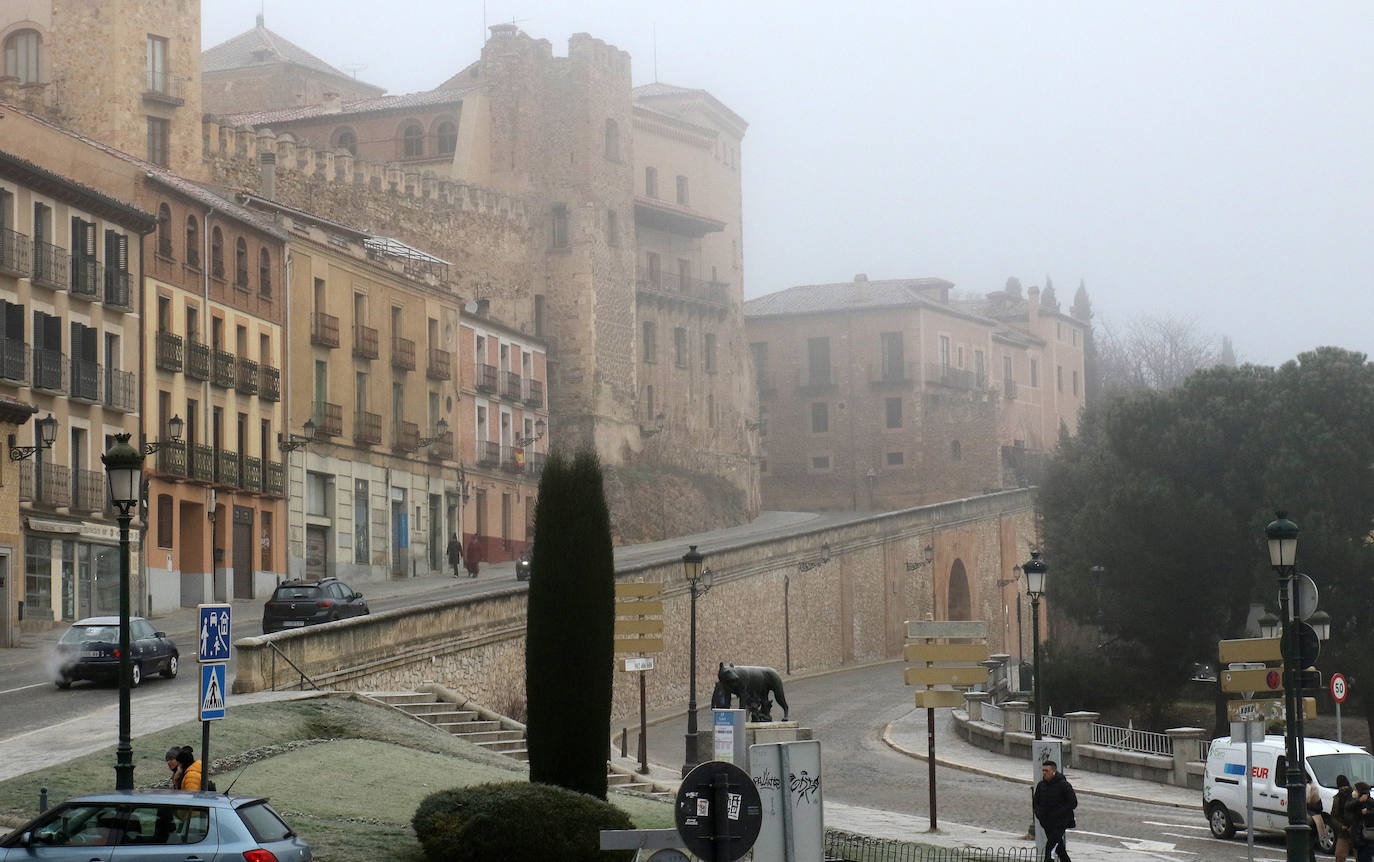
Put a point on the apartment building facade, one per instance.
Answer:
(69, 269)
(880, 395)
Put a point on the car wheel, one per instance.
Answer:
(1219, 820)
(1326, 839)
(135, 675)
(171, 671)
(63, 682)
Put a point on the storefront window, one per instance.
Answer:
(37, 578)
(106, 587)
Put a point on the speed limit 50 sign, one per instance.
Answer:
(1339, 688)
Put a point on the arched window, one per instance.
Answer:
(613, 140)
(958, 604)
(241, 263)
(265, 272)
(447, 133)
(217, 253)
(192, 241)
(23, 49)
(412, 141)
(164, 230)
(345, 139)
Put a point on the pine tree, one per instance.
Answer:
(569, 627)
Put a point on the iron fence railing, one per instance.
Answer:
(202, 463)
(274, 481)
(85, 380)
(367, 428)
(222, 371)
(328, 418)
(251, 475)
(197, 359)
(49, 370)
(405, 436)
(1204, 749)
(117, 292)
(324, 329)
(90, 490)
(51, 266)
(440, 365)
(992, 714)
(486, 378)
(246, 378)
(170, 351)
(14, 252)
(227, 468)
(488, 453)
(14, 360)
(1053, 726)
(849, 847)
(269, 386)
(510, 385)
(171, 457)
(364, 342)
(403, 354)
(56, 487)
(88, 277)
(1129, 739)
(534, 393)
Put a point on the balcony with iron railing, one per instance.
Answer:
(534, 463)
(51, 266)
(1009, 389)
(510, 385)
(85, 380)
(55, 489)
(894, 374)
(117, 293)
(534, 393)
(222, 372)
(328, 418)
(169, 352)
(513, 459)
(364, 342)
(817, 379)
(442, 447)
(403, 354)
(163, 87)
(367, 428)
(488, 453)
(121, 390)
(486, 378)
(250, 474)
(274, 478)
(324, 330)
(246, 377)
(672, 285)
(171, 458)
(440, 365)
(14, 253)
(269, 383)
(202, 462)
(14, 361)
(49, 370)
(197, 360)
(88, 277)
(89, 491)
(405, 436)
(948, 375)
(227, 468)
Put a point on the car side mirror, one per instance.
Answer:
(159, 634)
(26, 840)
(357, 595)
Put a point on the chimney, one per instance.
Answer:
(267, 174)
(333, 104)
(1033, 298)
(863, 276)
(860, 290)
(484, 308)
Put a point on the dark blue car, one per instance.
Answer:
(90, 650)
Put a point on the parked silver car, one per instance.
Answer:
(167, 824)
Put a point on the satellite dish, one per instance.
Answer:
(471, 307)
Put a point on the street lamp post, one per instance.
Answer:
(124, 469)
(1035, 571)
(692, 570)
(1282, 536)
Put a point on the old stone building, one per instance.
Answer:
(877, 395)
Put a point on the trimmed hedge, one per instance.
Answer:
(516, 821)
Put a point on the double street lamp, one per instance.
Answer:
(699, 584)
(1035, 571)
(124, 468)
(1282, 536)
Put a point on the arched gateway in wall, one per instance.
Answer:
(958, 604)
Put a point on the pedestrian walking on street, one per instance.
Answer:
(473, 558)
(455, 552)
(1361, 819)
(1340, 821)
(1054, 802)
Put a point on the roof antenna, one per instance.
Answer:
(655, 32)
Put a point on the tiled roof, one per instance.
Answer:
(657, 90)
(258, 47)
(843, 296)
(370, 104)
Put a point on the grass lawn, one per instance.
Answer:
(351, 797)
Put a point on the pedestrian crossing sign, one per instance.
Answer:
(212, 691)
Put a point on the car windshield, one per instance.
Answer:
(303, 592)
(1354, 765)
(264, 823)
(91, 634)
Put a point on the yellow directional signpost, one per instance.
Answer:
(937, 662)
(639, 630)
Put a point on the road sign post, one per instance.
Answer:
(1339, 690)
(639, 629)
(213, 654)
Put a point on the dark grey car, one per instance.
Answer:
(295, 604)
(90, 650)
(151, 825)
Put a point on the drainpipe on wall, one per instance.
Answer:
(208, 410)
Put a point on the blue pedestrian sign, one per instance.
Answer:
(212, 691)
(214, 633)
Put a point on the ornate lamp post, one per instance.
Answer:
(124, 469)
(692, 570)
(1035, 571)
(1282, 536)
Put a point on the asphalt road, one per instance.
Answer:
(847, 711)
(30, 700)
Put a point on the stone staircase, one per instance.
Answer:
(503, 736)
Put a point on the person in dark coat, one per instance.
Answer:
(472, 559)
(455, 553)
(1340, 818)
(1054, 802)
(1359, 816)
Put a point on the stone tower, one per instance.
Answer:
(124, 72)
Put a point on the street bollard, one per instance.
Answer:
(42, 799)
(624, 744)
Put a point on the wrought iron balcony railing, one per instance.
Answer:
(403, 354)
(510, 385)
(488, 453)
(440, 364)
(52, 266)
(202, 462)
(14, 361)
(269, 383)
(170, 351)
(49, 370)
(486, 378)
(121, 390)
(324, 330)
(250, 474)
(406, 436)
(274, 481)
(222, 372)
(442, 447)
(534, 393)
(197, 360)
(117, 293)
(367, 428)
(246, 377)
(328, 419)
(227, 468)
(171, 458)
(55, 489)
(89, 490)
(364, 342)
(14, 253)
(88, 277)
(85, 380)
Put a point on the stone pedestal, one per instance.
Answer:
(973, 703)
(760, 732)
(1185, 740)
(1081, 734)
(1012, 711)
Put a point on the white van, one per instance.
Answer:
(1223, 784)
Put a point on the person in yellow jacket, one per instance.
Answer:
(186, 770)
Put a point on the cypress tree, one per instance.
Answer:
(570, 627)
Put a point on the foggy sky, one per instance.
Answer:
(1209, 160)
